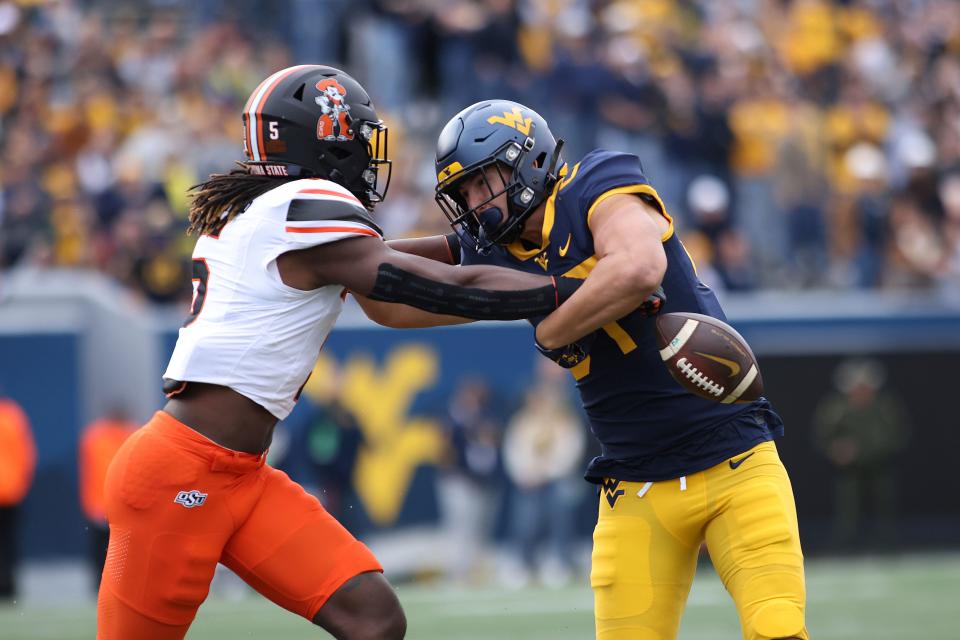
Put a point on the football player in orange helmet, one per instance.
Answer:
(282, 238)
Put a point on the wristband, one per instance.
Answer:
(566, 288)
(453, 246)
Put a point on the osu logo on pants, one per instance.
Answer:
(190, 499)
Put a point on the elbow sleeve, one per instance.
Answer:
(396, 285)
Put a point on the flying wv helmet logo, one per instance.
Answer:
(611, 490)
(515, 120)
(334, 122)
(191, 499)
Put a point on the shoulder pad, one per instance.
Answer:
(599, 172)
(322, 200)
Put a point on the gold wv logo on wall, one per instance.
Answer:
(396, 443)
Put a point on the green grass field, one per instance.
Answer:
(871, 599)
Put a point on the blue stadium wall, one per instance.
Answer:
(42, 373)
(399, 383)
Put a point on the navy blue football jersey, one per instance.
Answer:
(650, 427)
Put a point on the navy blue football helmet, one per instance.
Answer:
(518, 143)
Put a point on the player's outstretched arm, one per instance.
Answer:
(631, 262)
(403, 316)
(445, 249)
(370, 268)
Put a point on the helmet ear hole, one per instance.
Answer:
(540, 160)
(339, 153)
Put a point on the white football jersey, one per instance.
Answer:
(247, 330)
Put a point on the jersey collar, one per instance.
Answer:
(516, 248)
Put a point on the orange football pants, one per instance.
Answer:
(178, 504)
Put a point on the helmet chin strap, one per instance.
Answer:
(489, 219)
(554, 159)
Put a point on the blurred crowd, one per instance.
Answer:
(798, 143)
(517, 465)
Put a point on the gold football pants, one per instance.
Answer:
(648, 536)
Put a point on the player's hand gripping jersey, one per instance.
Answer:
(650, 428)
(248, 330)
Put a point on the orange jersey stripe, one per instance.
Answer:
(366, 232)
(328, 192)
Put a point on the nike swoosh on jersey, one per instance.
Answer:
(730, 364)
(736, 463)
(563, 249)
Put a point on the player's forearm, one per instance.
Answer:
(500, 278)
(444, 249)
(480, 293)
(402, 316)
(614, 289)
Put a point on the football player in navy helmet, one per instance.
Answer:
(675, 469)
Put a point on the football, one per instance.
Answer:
(708, 357)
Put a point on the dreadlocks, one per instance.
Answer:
(225, 196)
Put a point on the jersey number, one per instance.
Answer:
(618, 334)
(201, 273)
